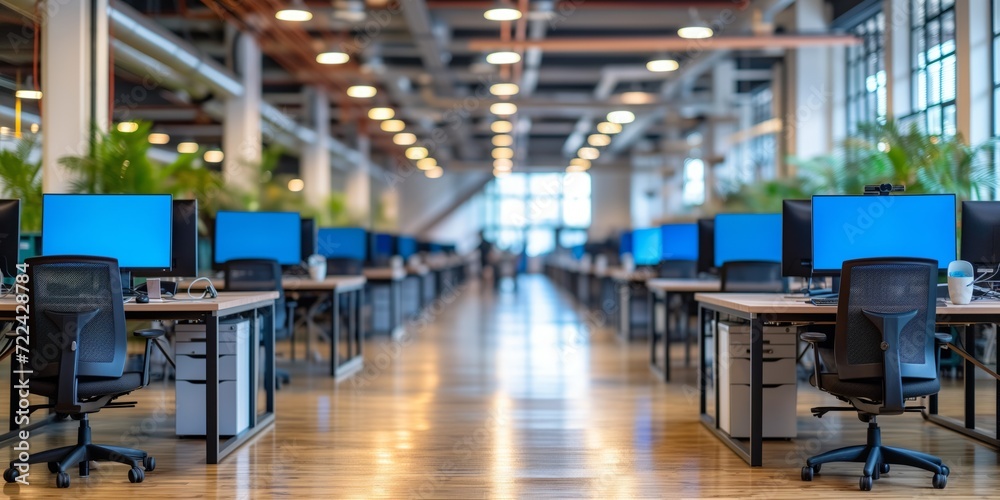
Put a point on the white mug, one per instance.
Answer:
(317, 267)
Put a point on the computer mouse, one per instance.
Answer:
(142, 299)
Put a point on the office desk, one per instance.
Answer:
(660, 292)
(390, 278)
(340, 288)
(259, 306)
(758, 309)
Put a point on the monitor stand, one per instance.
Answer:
(127, 289)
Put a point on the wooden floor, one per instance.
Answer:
(500, 395)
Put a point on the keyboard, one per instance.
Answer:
(824, 301)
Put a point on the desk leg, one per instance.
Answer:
(356, 325)
(969, 376)
(666, 336)
(756, 390)
(702, 368)
(652, 337)
(212, 387)
(335, 321)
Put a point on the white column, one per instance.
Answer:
(359, 188)
(808, 93)
(241, 129)
(974, 92)
(315, 169)
(897, 57)
(74, 83)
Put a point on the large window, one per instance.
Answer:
(763, 145)
(996, 69)
(866, 78)
(534, 212)
(934, 64)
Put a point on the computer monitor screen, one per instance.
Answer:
(625, 243)
(646, 246)
(406, 246)
(308, 244)
(855, 227)
(981, 234)
(184, 241)
(10, 239)
(706, 246)
(136, 229)
(679, 241)
(342, 243)
(796, 238)
(747, 237)
(578, 251)
(382, 247)
(258, 235)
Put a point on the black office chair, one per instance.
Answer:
(752, 276)
(78, 355)
(264, 275)
(883, 352)
(336, 266)
(678, 269)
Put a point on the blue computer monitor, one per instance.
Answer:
(625, 243)
(679, 241)
(381, 247)
(646, 246)
(406, 246)
(578, 251)
(747, 237)
(135, 229)
(258, 235)
(855, 227)
(342, 243)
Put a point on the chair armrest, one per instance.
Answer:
(70, 324)
(813, 337)
(942, 339)
(150, 333)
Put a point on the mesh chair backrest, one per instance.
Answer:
(258, 275)
(752, 276)
(77, 284)
(336, 266)
(886, 286)
(678, 269)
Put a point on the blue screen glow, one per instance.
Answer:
(258, 235)
(680, 241)
(406, 246)
(135, 229)
(381, 245)
(747, 237)
(342, 243)
(855, 227)
(625, 244)
(646, 246)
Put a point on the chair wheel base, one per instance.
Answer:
(866, 483)
(940, 481)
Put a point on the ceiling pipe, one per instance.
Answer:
(591, 45)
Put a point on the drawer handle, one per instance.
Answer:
(765, 351)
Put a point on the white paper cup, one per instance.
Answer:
(960, 289)
(318, 272)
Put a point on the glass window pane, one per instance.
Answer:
(545, 184)
(510, 239)
(513, 184)
(948, 33)
(948, 78)
(950, 121)
(569, 238)
(543, 209)
(934, 81)
(540, 241)
(576, 184)
(512, 212)
(934, 120)
(576, 212)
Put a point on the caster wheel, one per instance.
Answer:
(940, 481)
(53, 467)
(10, 475)
(135, 475)
(945, 470)
(807, 473)
(866, 483)
(816, 468)
(149, 463)
(876, 475)
(62, 480)
(883, 468)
